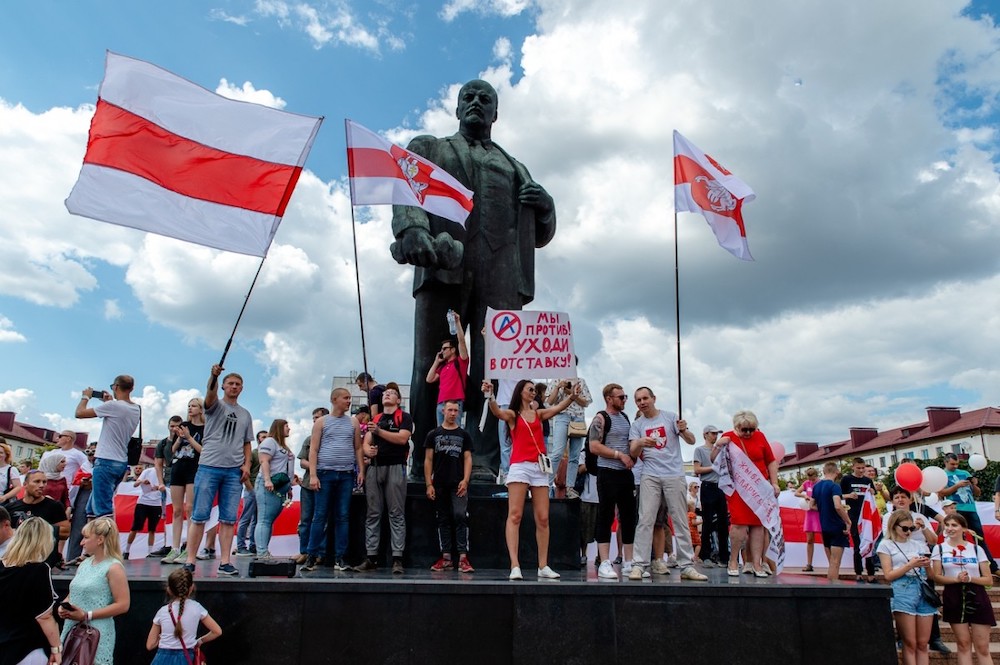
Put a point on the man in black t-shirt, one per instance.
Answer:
(447, 470)
(36, 504)
(163, 458)
(387, 442)
(373, 389)
(854, 485)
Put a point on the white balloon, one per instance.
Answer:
(977, 462)
(934, 479)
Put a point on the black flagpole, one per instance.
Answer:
(677, 312)
(229, 343)
(357, 269)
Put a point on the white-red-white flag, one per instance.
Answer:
(382, 173)
(703, 185)
(170, 157)
(870, 526)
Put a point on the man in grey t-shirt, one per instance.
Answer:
(223, 466)
(714, 513)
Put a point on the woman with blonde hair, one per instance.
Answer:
(10, 479)
(186, 449)
(273, 482)
(904, 564)
(28, 631)
(99, 591)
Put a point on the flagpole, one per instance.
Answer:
(229, 343)
(357, 269)
(677, 313)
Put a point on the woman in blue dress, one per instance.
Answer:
(99, 590)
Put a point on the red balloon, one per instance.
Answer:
(778, 450)
(909, 476)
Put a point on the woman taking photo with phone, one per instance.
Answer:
(904, 564)
(529, 468)
(964, 570)
(99, 590)
(28, 631)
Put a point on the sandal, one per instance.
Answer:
(807, 569)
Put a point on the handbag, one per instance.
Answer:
(927, 590)
(135, 444)
(577, 428)
(199, 657)
(280, 482)
(80, 647)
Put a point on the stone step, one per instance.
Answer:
(948, 635)
(952, 658)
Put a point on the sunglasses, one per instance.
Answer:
(908, 529)
(748, 430)
(623, 398)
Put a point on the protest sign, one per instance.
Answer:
(522, 344)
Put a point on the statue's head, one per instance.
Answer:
(477, 104)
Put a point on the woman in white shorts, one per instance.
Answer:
(524, 423)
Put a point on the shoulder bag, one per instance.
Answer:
(927, 590)
(199, 657)
(80, 647)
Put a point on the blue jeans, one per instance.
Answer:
(307, 506)
(107, 474)
(560, 438)
(505, 443)
(332, 501)
(216, 480)
(248, 520)
(269, 506)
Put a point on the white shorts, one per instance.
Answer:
(527, 472)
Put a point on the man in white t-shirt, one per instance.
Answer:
(148, 508)
(121, 417)
(655, 437)
(75, 460)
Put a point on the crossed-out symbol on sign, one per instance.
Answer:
(506, 326)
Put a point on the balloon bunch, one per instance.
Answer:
(931, 479)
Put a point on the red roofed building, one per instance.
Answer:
(946, 430)
(27, 441)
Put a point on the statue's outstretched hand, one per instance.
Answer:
(534, 195)
(415, 246)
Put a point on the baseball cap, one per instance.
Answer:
(711, 428)
(948, 502)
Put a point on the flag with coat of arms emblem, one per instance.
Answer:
(703, 185)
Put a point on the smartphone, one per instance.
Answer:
(98, 394)
(66, 606)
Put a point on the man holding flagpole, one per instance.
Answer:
(488, 263)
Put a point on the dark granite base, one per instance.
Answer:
(487, 516)
(423, 617)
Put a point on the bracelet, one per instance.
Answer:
(90, 616)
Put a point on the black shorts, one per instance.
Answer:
(148, 515)
(182, 472)
(836, 539)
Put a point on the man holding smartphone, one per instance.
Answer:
(450, 371)
(121, 417)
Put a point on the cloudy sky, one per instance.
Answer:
(867, 130)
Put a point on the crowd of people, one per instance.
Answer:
(625, 471)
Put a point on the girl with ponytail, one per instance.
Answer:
(174, 634)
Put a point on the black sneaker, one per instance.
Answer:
(228, 569)
(310, 563)
(189, 567)
(366, 566)
(125, 555)
(939, 646)
(397, 566)
(163, 551)
(340, 565)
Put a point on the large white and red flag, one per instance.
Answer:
(870, 526)
(703, 185)
(382, 173)
(170, 157)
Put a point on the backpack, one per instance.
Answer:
(590, 458)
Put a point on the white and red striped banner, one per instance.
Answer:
(170, 157)
(382, 173)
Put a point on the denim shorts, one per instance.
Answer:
(215, 481)
(171, 657)
(906, 598)
(107, 474)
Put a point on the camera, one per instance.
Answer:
(98, 394)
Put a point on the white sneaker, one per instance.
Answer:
(671, 561)
(515, 574)
(626, 568)
(547, 573)
(690, 573)
(607, 571)
(660, 567)
(638, 573)
(500, 478)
